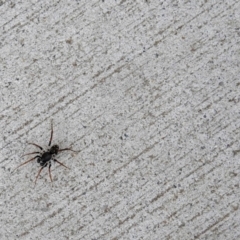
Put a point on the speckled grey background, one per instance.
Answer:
(148, 92)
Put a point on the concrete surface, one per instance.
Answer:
(148, 92)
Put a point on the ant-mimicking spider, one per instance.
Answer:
(44, 158)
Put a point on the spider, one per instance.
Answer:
(44, 158)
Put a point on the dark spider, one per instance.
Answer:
(44, 158)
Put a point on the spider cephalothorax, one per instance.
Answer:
(54, 149)
(44, 158)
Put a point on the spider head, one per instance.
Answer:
(54, 149)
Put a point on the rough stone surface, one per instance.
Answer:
(148, 91)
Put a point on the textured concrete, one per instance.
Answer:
(148, 92)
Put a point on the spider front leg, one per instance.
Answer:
(33, 152)
(36, 145)
(66, 149)
(50, 141)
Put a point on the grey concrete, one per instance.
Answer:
(148, 92)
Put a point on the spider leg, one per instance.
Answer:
(55, 160)
(67, 149)
(36, 145)
(30, 153)
(49, 171)
(50, 141)
(38, 175)
(26, 162)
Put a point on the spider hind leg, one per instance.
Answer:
(49, 171)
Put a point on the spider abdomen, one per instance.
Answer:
(45, 158)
